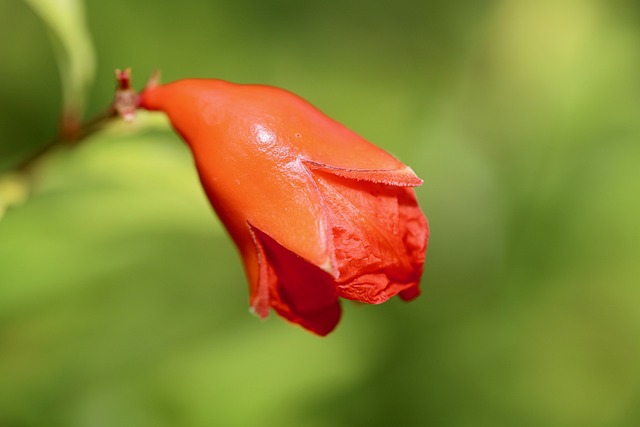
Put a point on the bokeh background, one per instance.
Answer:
(123, 302)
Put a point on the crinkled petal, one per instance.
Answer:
(379, 235)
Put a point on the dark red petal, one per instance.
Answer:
(379, 236)
(410, 293)
(257, 270)
(298, 291)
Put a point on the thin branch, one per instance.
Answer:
(123, 105)
(81, 134)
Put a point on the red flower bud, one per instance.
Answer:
(316, 211)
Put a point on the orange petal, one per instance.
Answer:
(325, 142)
(248, 167)
(404, 177)
(379, 237)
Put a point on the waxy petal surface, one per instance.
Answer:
(249, 172)
(316, 211)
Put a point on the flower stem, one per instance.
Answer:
(67, 139)
(124, 105)
(15, 183)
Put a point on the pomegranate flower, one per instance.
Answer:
(316, 211)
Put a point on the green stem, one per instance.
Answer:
(64, 139)
(124, 105)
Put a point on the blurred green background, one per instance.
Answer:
(123, 302)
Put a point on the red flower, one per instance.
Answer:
(316, 211)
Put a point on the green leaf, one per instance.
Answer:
(75, 52)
